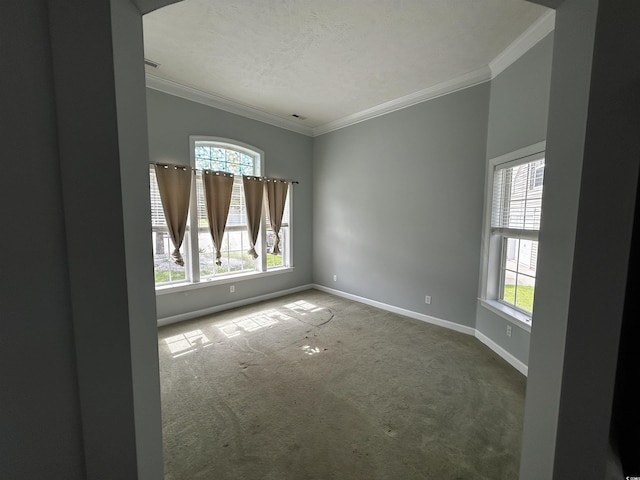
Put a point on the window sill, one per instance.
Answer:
(512, 315)
(184, 286)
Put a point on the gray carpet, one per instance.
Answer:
(313, 386)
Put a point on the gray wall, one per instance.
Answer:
(518, 112)
(519, 103)
(39, 406)
(101, 138)
(594, 120)
(397, 206)
(171, 121)
(565, 144)
(82, 397)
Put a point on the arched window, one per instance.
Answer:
(198, 251)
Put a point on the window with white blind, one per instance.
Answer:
(209, 153)
(166, 271)
(515, 218)
(514, 192)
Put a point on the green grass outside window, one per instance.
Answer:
(525, 297)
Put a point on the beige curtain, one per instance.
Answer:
(253, 194)
(174, 184)
(217, 193)
(276, 197)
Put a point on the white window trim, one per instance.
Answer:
(488, 271)
(508, 313)
(231, 278)
(190, 241)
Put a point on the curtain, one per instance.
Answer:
(276, 197)
(253, 194)
(174, 184)
(217, 193)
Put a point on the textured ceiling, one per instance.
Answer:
(328, 59)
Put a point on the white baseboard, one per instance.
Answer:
(227, 306)
(401, 311)
(513, 361)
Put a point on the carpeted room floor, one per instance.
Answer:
(314, 386)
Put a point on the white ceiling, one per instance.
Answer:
(331, 61)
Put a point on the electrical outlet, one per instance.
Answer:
(335, 278)
(427, 299)
(508, 330)
(232, 289)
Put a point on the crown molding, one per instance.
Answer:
(467, 80)
(521, 45)
(530, 37)
(189, 93)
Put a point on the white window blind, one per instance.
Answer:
(275, 261)
(157, 213)
(517, 199)
(285, 214)
(166, 271)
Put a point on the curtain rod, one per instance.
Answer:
(184, 167)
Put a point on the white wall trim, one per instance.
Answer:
(513, 361)
(521, 155)
(189, 93)
(521, 45)
(227, 306)
(511, 315)
(401, 311)
(467, 80)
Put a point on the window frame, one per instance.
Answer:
(494, 245)
(503, 269)
(190, 243)
(161, 229)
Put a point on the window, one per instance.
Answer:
(166, 271)
(235, 244)
(536, 176)
(515, 190)
(209, 153)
